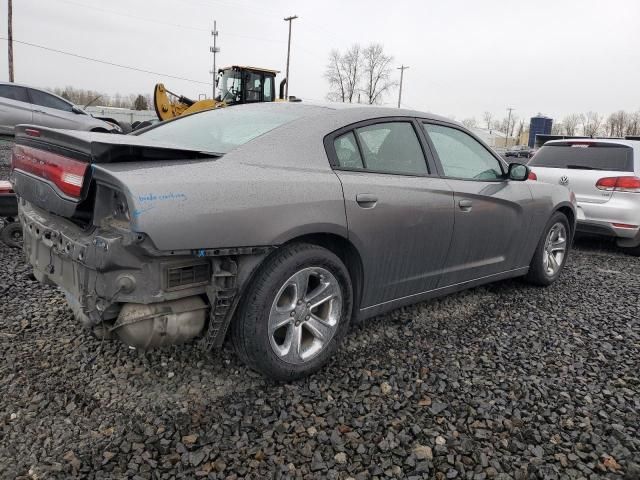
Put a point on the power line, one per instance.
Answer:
(105, 62)
(167, 24)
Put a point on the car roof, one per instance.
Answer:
(354, 111)
(36, 88)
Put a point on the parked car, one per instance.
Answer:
(282, 221)
(605, 177)
(22, 104)
(10, 228)
(518, 151)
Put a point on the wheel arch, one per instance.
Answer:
(345, 251)
(569, 212)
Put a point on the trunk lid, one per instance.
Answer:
(52, 168)
(578, 165)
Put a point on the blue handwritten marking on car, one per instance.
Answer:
(152, 197)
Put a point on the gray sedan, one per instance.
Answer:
(22, 104)
(278, 224)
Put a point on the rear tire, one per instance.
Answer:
(547, 264)
(295, 312)
(11, 234)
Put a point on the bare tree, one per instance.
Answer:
(633, 127)
(591, 123)
(344, 73)
(470, 122)
(488, 119)
(140, 103)
(570, 123)
(352, 66)
(336, 77)
(557, 128)
(520, 130)
(376, 69)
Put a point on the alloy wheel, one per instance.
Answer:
(305, 315)
(555, 249)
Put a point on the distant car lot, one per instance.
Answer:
(21, 104)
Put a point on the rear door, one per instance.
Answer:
(14, 107)
(399, 213)
(51, 111)
(578, 165)
(492, 213)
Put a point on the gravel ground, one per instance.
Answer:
(505, 381)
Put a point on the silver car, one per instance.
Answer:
(279, 223)
(20, 104)
(604, 174)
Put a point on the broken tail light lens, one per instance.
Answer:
(532, 176)
(65, 173)
(619, 184)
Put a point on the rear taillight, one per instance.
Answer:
(619, 184)
(65, 173)
(5, 187)
(532, 176)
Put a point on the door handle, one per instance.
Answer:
(366, 200)
(465, 205)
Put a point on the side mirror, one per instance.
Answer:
(77, 109)
(518, 172)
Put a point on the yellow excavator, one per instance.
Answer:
(236, 84)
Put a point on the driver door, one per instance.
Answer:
(492, 214)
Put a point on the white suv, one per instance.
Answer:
(604, 174)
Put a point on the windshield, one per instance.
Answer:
(229, 84)
(223, 129)
(588, 156)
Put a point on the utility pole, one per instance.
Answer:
(10, 37)
(508, 124)
(214, 50)
(286, 85)
(402, 69)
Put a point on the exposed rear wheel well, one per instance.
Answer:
(346, 252)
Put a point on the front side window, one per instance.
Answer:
(392, 147)
(46, 100)
(461, 155)
(13, 92)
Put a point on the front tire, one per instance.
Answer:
(552, 251)
(295, 312)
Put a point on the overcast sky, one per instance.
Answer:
(465, 56)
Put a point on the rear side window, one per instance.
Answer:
(13, 92)
(392, 147)
(45, 100)
(585, 156)
(347, 151)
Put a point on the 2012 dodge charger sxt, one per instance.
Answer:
(278, 222)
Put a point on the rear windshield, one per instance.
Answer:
(588, 156)
(224, 129)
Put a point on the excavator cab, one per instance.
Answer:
(238, 84)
